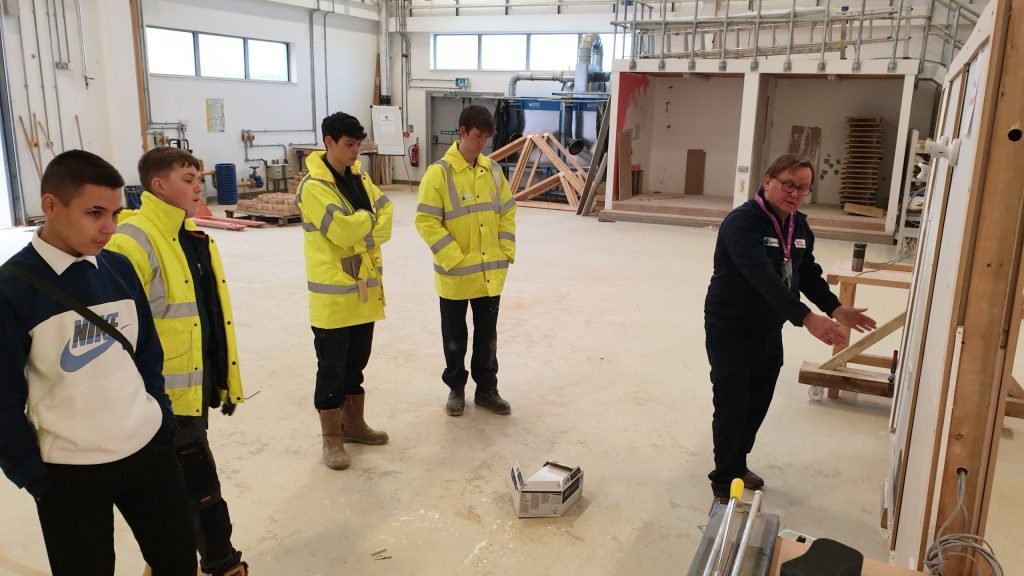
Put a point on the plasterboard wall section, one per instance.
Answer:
(693, 113)
(108, 109)
(254, 105)
(826, 104)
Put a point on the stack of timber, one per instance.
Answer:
(863, 161)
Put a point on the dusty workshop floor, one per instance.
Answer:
(602, 356)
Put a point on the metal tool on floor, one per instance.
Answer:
(739, 539)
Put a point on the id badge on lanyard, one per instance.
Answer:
(786, 243)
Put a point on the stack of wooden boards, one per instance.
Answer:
(270, 204)
(533, 149)
(863, 161)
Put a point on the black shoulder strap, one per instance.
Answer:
(23, 274)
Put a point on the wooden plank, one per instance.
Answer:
(539, 188)
(564, 152)
(204, 223)
(624, 165)
(871, 360)
(509, 149)
(848, 379)
(570, 194)
(890, 278)
(873, 337)
(1015, 408)
(587, 203)
(693, 181)
(536, 164)
(598, 164)
(524, 158)
(859, 210)
(574, 179)
(898, 266)
(544, 205)
(1015, 390)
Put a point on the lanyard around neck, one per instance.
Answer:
(787, 242)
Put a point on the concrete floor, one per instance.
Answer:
(602, 357)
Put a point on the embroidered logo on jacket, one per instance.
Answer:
(87, 344)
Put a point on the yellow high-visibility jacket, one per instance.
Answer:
(467, 215)
(149, 238)
(344, 266)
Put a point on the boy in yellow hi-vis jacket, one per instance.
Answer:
(345, 219)
(467, 215)
(181, 270)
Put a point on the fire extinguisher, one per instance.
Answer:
(414, 153)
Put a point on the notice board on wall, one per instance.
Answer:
(386, 122)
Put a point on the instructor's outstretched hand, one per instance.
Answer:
(854, 318)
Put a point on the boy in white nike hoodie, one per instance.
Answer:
(85, 424)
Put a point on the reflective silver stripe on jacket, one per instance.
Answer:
(430, 210)
(472, 269)
(440, 244)
(458, 210)
(506, 236)
(336, 289)
(157, 286)
(181, 381)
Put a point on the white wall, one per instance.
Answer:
(693, 113)
(425, 79)
(826, 104)
(255, 105)
(108, 109)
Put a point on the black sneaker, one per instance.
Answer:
(752, 481)
(489, 399)
(456, 403)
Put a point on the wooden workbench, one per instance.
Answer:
(833, 374)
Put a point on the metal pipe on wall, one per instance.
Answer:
(327, 71)
(385, 53)
(17, 191)
(24, 65)
(50, 28)
(67, 38)
(42, 78)
(81, 42)
(312, 72)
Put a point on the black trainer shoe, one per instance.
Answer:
(752, 481)
(489, 399)
(456, 403)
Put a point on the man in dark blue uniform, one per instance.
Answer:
(763, 261)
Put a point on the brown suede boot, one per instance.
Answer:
(353, 425)
(335, 456)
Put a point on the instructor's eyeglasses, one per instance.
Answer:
(789, 187)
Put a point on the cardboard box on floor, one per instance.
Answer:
(548, 493)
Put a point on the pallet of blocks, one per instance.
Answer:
(863, 162)
(293, 182)
(274, 207)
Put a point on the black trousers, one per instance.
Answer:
(744, 369)
(77, 514)
(455, 336)
(341, 357)
(210, 518)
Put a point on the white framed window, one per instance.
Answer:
(185, 53)
(170, 52)
(221, 56)
(503, 52)
(456, 51)
(267, 60)
(553, 51)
